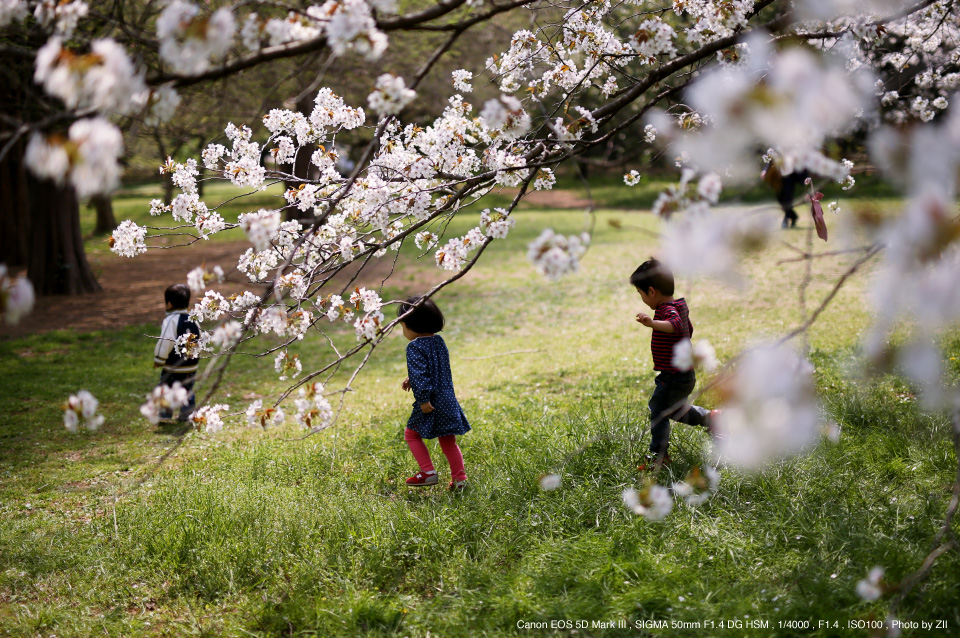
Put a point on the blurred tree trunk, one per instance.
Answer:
(40, 229)
(106, 222)
(14, 209)
(57, 264)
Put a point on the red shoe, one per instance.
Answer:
(422, 479)
(651, 462)
(457, 486)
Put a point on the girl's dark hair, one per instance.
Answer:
(652, 273)
(425, 318)
(178, 295)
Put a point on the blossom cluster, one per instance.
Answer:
(16, 296)
(770, 409)
(555, 255)
(313, 409)
(164, 399)
(655, 502)
(257, 415)
(81, 405)
(87, 157)
(208, 419)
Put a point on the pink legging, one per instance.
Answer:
(448, 444)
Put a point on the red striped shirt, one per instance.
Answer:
(662, 343)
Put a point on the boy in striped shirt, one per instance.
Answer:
(670, 324)
(176, 367)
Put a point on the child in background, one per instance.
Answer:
(176, 367)
(670, 324)
(436, 412)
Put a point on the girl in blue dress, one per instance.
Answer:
(436, 412)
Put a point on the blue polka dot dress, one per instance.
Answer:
(428, 367)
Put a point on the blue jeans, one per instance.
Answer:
(186, 379)
(669, 402)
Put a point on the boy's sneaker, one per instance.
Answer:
(422, 479)
(652, 462)
(457, 486)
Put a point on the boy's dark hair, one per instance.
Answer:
(652, 273)
(425, 318)
(177, 295)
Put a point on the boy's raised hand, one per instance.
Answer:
(406, 384)
(645, 319)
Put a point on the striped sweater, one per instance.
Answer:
(662, 343)
(175, 324)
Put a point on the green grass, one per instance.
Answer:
(256, 533)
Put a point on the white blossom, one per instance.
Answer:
(461, 81)
(16, 296)
(771, 410)
(261, 227)
(425, 240)
(871, 587)
(12, 11)
(698, 486)
(164, 398)
(226, 335)
(390, 95)
(287, 365)
(103, 79)
(258, 415)
(313, 409)
(652, 501)
(496, 224)
(91, 166)
(82, 405)
(556, 255)
(189, 42)
(549, 482)
(127, 239)
(207, 418)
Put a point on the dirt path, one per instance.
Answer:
(133, 288)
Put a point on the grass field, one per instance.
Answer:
(135, 530)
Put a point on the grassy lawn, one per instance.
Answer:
(136, 530)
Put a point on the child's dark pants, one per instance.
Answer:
(669, 402)
(186, 379)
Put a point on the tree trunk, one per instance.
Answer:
(14, 211)
(57, 264)
(106, 222)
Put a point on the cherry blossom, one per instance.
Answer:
(257, 415)
(550, 482)
(698, 485)
(770, 411)
(190, 41)
(556, 255)
(168, 398)
(313, 409)
(127, 239)
(390, 95)
(16, 296)
(82, 405)
(287, 365)
(87, 157)
(651, 501)
(871, 587)
(207, 418)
